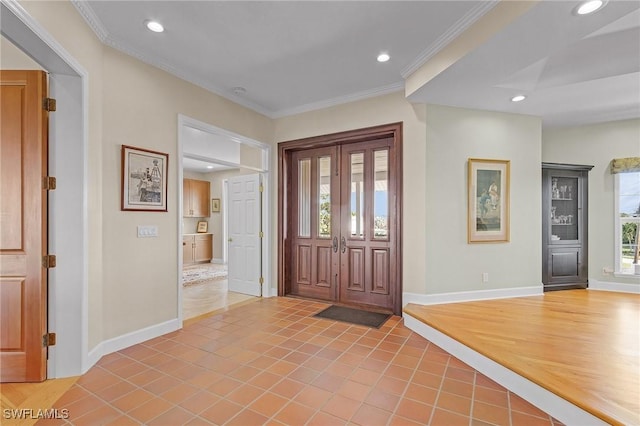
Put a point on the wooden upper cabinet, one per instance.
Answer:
(195, 202)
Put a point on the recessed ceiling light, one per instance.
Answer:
(590, 6)
(383, 57)
(518, 98)
(209, 167)
(154, 26)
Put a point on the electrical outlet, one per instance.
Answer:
(607, 270)
(485, 277)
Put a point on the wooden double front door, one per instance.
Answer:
(342, 223)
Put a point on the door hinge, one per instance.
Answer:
(261, 234)
(261, 188)
(49, 183)
(49, 339)
(261, 280)
(49, 261)
(49, 104)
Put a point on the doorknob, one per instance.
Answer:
(230, 240)
(335, 244)
(343, 243)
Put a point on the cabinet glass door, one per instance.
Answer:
(564, 209)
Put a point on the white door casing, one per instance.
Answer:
(244, 229)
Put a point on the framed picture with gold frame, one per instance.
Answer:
(215, 205)
(488, 206)
(203, 226)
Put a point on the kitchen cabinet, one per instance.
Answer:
(197, 248)
(564, 226)
(195, 198)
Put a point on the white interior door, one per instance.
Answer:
(244, 248)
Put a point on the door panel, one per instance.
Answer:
(367, 189)
(315, 215)
(245, 244)
(23, 220)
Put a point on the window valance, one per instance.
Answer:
(625, 165)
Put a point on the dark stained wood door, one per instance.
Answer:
(368, 223)
(343, 227)
(315, 223)
(23, 226)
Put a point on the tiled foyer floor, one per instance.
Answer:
(270, 362)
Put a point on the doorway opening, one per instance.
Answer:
(239, 263)
(340, 218)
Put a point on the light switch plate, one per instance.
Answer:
(147, 231)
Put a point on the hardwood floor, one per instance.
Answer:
(581, 345)
(31, 396)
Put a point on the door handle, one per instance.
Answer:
(230, 240)
(335, 244)
(343, 244)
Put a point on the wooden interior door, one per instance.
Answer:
(368, 223)
(23, 225)
(315, 223)
(343, 210)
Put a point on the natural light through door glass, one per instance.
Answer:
(357, 195)
(324, 197)
(381, 194)
(304, 198)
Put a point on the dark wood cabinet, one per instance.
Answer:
(564, 226)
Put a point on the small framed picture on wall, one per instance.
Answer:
(203, 226)
(215, 205)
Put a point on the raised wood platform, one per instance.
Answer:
(581, 345)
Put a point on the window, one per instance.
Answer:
(627, 214)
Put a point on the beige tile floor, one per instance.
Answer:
(208, 296)
(272, 362)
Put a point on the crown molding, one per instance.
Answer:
(358, 96)
(84, 8)
(449, 35)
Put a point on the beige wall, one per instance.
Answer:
(12, 58)
(437, 143)
(141, 107)
(453, 136)
(596, 145)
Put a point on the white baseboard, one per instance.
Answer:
(547, 401)
(218, 261)
(117, 343)
(620, 287)
(470, 296)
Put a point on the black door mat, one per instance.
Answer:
(353, 316)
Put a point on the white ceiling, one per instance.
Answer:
(295, 56)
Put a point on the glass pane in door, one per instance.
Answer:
(304, 198)
(357, 194)
(324, 197)
(381, 194)
(564, 208)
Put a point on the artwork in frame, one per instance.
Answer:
(488, 205)
(215, 205)
(203, 226)
(144, 179)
